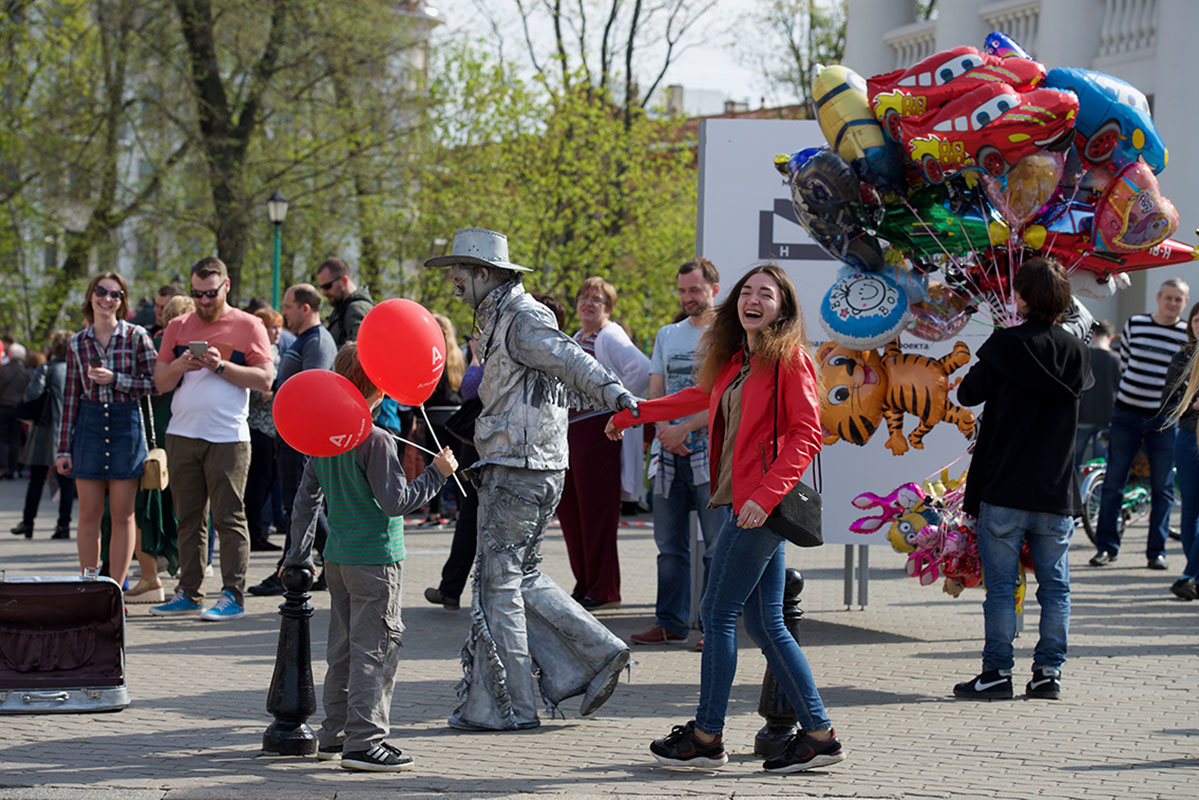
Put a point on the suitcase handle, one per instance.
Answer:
(42, 697)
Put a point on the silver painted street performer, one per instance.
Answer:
(523, 623)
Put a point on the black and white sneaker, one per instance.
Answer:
(331, 752)
(994, 684)
(1044, 684)
(680, 748)
(802, 752)
(383, 757)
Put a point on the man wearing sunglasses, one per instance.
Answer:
(349, 303)
(212, 358)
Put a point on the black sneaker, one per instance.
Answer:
(1184, 589)
(1044, 684)
(62, 532)
(330, 752)
(269, 587)
(803, 752)
(383, 757)
(1102, 558)
(681, 749)
(993, 684)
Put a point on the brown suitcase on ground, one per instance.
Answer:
(62, 645)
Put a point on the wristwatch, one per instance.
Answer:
(219, 368)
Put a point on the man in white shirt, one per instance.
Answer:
(212, 358)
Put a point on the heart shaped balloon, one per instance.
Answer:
(1133, 214)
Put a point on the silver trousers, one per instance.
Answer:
(525, 628)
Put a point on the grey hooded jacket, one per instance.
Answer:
(529, 366)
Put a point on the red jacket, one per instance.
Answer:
(754, 476)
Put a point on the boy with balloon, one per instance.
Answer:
(367, 496)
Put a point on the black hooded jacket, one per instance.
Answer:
(1030, 378)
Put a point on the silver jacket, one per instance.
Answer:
(528, 368)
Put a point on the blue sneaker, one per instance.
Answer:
(179, 604)
(225, 608)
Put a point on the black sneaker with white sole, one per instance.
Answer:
(383, 757)
(330, 752)
(680, 748)
(1044, 684)
(802, 752)
(994, 684)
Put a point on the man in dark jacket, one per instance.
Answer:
(14, 377)
(1022, 481)
(350, 303)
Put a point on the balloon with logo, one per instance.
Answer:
(402, 350)
(320, 413)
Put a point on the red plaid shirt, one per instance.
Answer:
(130, 355)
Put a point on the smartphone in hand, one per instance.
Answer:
(95, 361)
(197, 349)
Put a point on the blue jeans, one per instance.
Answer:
(1000, 532)
(1128, 430)
(747, 575)
(1186, 461)
(672, 535)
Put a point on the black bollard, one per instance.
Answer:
(773, 704)
(292, 698)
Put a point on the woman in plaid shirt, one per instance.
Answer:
(110, 365)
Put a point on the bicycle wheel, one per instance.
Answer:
(1092, 491)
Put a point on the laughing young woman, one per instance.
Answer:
(101, 444)
(755, 347)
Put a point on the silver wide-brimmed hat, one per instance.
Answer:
(480, 247)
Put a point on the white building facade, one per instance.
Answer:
(1148, 43)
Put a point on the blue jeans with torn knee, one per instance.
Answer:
(748, 573)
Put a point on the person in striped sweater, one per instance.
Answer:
(367, 497)
(1148, 342)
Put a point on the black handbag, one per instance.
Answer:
(797, 516)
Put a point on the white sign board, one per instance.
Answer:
(745, 218)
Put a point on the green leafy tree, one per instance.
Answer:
(579, 188)
(793, 38)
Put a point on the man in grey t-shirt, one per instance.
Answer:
(313, 348)
(679, 461)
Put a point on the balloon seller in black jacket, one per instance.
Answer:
(1022, 484)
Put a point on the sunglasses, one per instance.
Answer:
(328, 284)
(101, 292)
(209, 293)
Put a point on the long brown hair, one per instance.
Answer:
(122, 309)
(777, 342)
(455, 362)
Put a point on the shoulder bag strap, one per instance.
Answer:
(149, 418)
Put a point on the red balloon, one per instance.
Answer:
(402, 350)
(320, 413)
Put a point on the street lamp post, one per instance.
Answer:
(276, 209)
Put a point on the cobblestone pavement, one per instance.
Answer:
(1126, 726)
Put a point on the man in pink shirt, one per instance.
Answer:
(212, 358)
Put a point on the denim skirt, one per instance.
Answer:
(108, 443)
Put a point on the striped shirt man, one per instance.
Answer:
(1146, 349)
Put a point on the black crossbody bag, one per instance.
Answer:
(797, 516)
